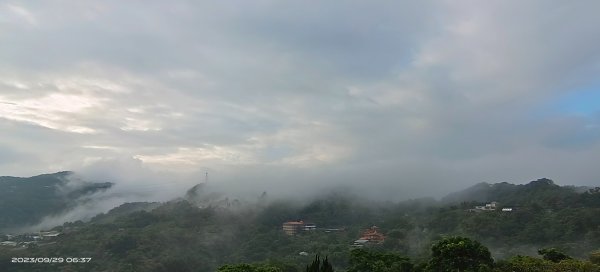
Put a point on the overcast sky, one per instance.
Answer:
(403, 98)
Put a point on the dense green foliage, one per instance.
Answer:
(553, 255)
(544, 215)
(459, 254)
(25, 201)
(531, 264)
(372, 261)
(248, 268)
(319, 265)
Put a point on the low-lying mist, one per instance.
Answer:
(134, 181)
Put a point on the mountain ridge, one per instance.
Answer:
(547, 193)
(27, 200)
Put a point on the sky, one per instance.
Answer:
(396, 98)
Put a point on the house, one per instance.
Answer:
(507, 209)
(360, 243)
(295, 227)
(334, 230)
(49, 234)
(488, 207)
(309, 227)
(26, 244)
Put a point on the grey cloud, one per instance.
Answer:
(9, 155)
(283, 95)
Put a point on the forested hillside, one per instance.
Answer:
(543, 192)
(25, 201)
(181, 236)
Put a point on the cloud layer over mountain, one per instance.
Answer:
(402, 99)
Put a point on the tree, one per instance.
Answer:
(368, 261)
(531, 264)
(524, 263)
(248, 268)
(121, 244)
(319, 266)
(553, 255)
(595, 257)
(459, 254)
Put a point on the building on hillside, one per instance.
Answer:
(373, 235)
(309, 227)
(295, 227)
(49, 234)
(370, 236)
(292, 227)
(8, 243)
(360, 243)
(328, 230)
(488, 207)
(507, 209)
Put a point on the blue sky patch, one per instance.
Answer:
(584, 102)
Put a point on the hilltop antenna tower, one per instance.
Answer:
(206, 178)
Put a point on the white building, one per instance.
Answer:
(488, 207)
(360, 243)
(310, 227)
(8, 243)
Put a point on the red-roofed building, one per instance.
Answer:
(372, 235)
(295, 227)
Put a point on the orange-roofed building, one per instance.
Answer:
(293, 227)
(373, 235)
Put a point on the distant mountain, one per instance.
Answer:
(479, 192)
(25, 201)
(541, 192)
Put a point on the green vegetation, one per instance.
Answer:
(544, 215)
(459, 254)
(248, 268)
(421, 235)
(553, 255)
(372, 261)
(595, 257)
(319, 265)
(531, 264)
